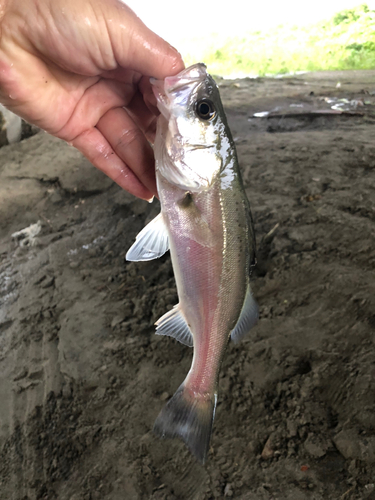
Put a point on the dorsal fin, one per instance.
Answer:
(248, 317)
(151, 242)
(174, 325)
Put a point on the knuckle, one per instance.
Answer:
(129, 136)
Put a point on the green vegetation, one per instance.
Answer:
(347, 41)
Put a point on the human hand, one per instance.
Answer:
(80, 70)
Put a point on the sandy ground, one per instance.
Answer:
(82, 375)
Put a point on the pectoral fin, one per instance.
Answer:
(248, 317)
(174, 325)
(151, 242)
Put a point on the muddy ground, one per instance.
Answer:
(82, 375)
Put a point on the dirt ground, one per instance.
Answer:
(82, 375)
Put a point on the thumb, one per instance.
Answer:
(138, 48)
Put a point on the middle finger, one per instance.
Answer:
(130, 144)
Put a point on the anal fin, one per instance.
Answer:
(248, 317)
(151, 242)
(174, 325)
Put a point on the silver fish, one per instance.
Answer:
(206, 223)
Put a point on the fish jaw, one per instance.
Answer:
(161, 97)
(165, 88)
(183, 84)
(188, 77)
(190, 167)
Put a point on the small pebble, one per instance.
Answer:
(164, 396)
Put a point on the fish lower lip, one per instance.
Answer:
(187, 77)
(157, 87)
(161, 97)
(174, 83)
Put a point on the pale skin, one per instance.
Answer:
(80, 70)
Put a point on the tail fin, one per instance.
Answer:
(189, 416)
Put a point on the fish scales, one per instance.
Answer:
(205, 276)
(206, 223)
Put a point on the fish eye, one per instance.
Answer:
(205, 109)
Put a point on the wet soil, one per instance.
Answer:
(82, 375)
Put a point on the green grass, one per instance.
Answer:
(347, 41)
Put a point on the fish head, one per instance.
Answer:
(193, 139)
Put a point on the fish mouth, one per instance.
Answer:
(164, 88)
(161, 96)
(195, 73)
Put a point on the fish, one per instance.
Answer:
(206, 223)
